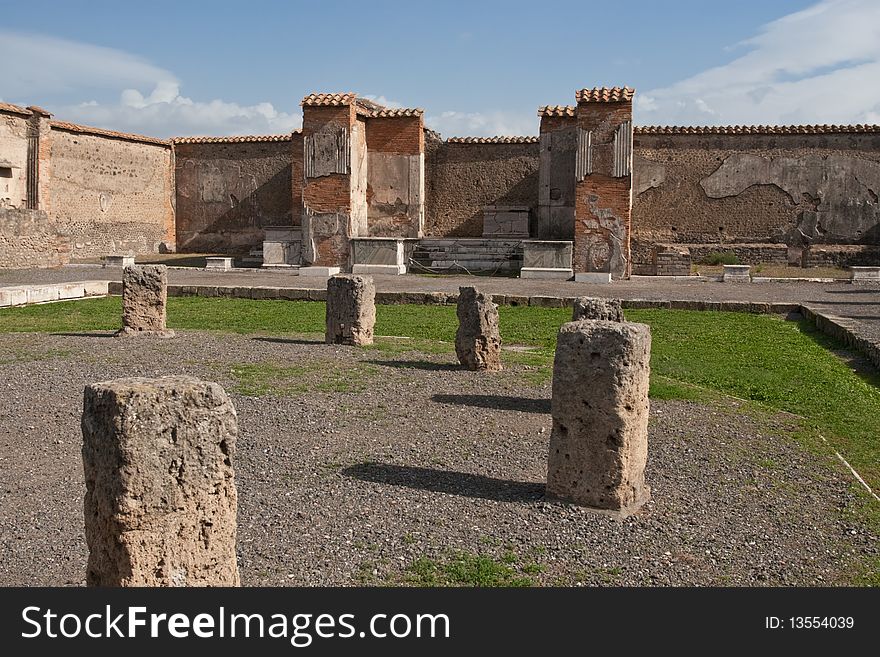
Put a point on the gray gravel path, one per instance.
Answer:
(396, 456)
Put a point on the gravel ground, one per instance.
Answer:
(369, 460)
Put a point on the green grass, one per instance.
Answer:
(467, 569)
(260, 379)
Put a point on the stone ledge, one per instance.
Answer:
(22, 295)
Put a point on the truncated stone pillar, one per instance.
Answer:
(335, 169)
(160, 505)
(478, 339)
(603, 183)
(144, 297)
(351, 310)
(597, 309)
(599, 442)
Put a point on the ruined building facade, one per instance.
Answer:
(358, 170)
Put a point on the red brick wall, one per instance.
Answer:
(602, 202)
(403, 135)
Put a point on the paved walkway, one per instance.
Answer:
(851, 308)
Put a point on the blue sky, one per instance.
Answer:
(478, 68)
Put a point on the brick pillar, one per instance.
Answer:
(555, 180)
(603, 181)
(396, 180)
(335, 169)
(39, 158)
(160, 504)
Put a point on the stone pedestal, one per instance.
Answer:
(378, 255)
(599, 442)
(118, 261)
(219, 263)
(160, 505)
(351, 310)
(597, 309)
(144, 297)
(737, 274)
(282, 246)
(546, 259)
(870, 274)
(478, 339)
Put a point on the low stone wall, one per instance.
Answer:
(28, 239)
(833, 255)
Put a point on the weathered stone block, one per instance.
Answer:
(144, 297)
(351, 309)
(597, 309)
(599, 442)
(160, 504)
(478, 339)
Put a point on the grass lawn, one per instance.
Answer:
(781, 365)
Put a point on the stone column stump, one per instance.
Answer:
(351, 310)
(144, 297)
(599, 442)
(478, 340)
(597, 309)
(160, 504)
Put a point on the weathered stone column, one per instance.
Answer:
(160, 499)
(144, 297)
(478, 339)
(351, 309)
(599, 442)
(608, 310)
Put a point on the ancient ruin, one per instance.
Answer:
(597, 309)
(599, 441)
(590, 196)
(160, 505)
(144, 297)
(478, 339)
(351, 310)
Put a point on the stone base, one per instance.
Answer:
(127, 332)
(218, 263)
(642, 498)
(866, 274)
(592, 277)
(737, 274)
(118, 261)
(292, 269)
(391, 270)
(319, 272)
(546, 273)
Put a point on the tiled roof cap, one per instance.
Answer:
(755, 129)
(493, 140)
(328, 100)
(14, 109)
(82, 129)
(556, 110)
(605, 95)
(396, 112)
(238, 139)
(36, 109)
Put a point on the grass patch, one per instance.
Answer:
(467, 569)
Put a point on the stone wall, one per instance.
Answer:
(13, 157)
(111, 193)
(28, 239)
(463, 176)
(229, 189)
(808, 186)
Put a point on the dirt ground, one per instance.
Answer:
(353, 465)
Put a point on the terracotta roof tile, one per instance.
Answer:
(605, 95)
(557, 110)
(14, 109)
(755, 129)
(36, 109)
(493, 140)
(73, 127)
(233, 139)
(328, 100)
(396, 112)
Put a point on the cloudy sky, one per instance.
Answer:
(168, 68)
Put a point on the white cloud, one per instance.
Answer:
(46, 66)
(819, 65)
(482, 124)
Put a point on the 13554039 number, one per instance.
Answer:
(821, 622)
